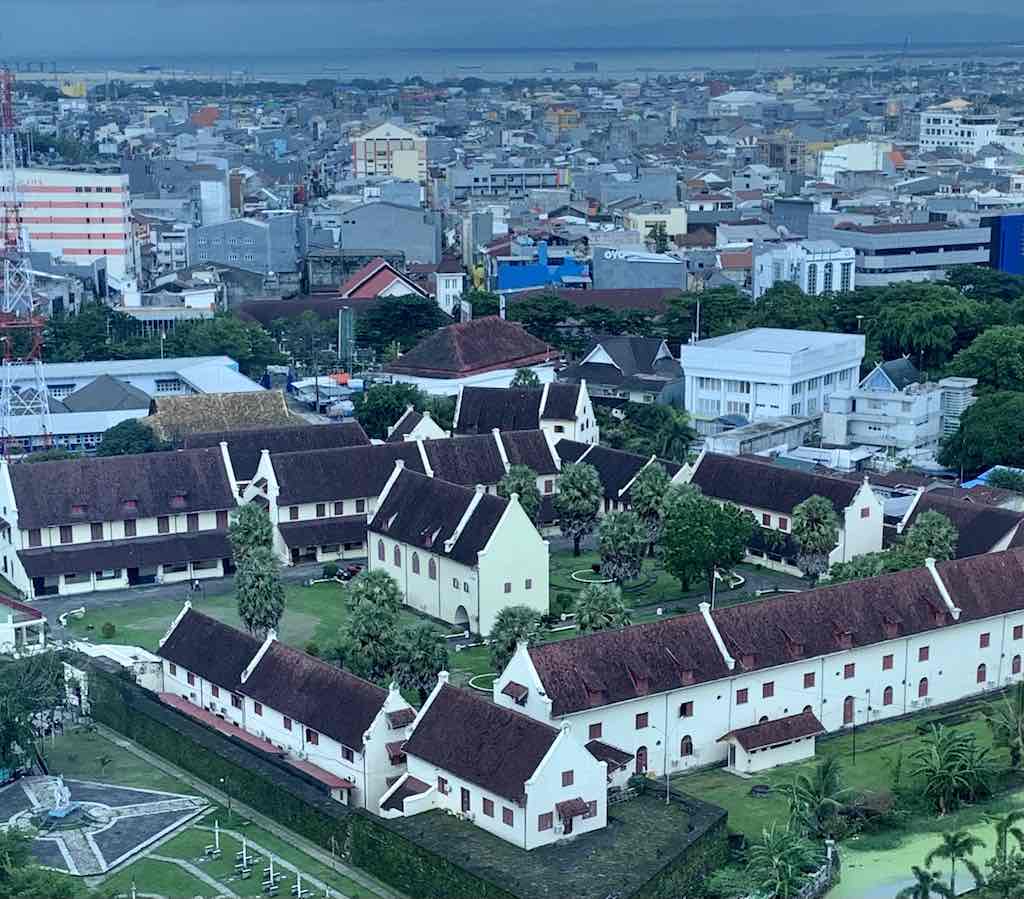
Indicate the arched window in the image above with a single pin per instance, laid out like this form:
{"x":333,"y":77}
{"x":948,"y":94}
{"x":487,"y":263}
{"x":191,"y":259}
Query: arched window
{"x":686,"y":746}
{"x":380,"y":550}
{"x":982,"y":672}
{"x":415,"y":563}
{"x":887,"y":696}
{"x":848,"y":710}
{"x":1015,"y":666}
{"x":398,"y":557}
{"x":762,"y":719}
{"x":922,"y":688}
{"x":432,"y":569}
{"x":641,"y":760}
{"x":807,"y":709}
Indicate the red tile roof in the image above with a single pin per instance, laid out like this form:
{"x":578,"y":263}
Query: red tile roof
{"x":774,"y":733}
{"x":373,"y":279}
{"x":21,"y":608}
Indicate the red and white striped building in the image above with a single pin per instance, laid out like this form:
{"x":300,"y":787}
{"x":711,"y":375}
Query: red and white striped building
{"x":77,"y":216}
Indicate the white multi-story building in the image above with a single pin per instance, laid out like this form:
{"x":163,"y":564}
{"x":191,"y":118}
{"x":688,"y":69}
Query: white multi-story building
{"x":671,"y":693}
{"x":861,"y":156}
{"x":390,"y":151}
{"x":767,"y":373}
{"x":77,"y":217}
{"x":815,"y":266}
{"x":339,"y":729}
{"x":950,"y":127}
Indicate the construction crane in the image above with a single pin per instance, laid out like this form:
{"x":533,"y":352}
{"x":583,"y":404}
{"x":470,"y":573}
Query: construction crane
{"x":23,"y":390}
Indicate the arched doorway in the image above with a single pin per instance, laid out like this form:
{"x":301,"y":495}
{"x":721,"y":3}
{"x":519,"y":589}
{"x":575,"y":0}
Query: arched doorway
{"x":641,"y":760}
{"x":848,"y":710}
{"x":462,"y":618}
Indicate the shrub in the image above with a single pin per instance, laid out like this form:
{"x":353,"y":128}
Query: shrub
{"x":108,"y":630}
{"x":313,"y":649}
{"x":330,"y":570}
{"x":638,"y":782}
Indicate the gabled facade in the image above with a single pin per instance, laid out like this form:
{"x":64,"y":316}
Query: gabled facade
{"x":379,"y":279}
{"x":562,"y":410}
{"x":79,"y":525}
{"x":633,"y":369}
{"x":848,"y":654}
{"x":521,"y":780}
{"x":459,"y":554}
{"x":336,"y":728}
{"x":617,"y":470}
{"x":771,"y":492}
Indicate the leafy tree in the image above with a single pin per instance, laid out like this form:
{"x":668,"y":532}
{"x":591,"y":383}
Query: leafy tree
{"x":1005,"y":719}
{"x":247,"y":342}
{"x":622,"y":544}
{"x":259,"y":589}
{"x":50,"y":455}
{"x":781,"y":862}
{"x":723,"y":310}
{"x":648,"y":429}
{"x":991,"y":433}
{"x":378,"y":589}
{"x":306,"y":338}
{"x":403,"y":320}
{"x":816,"y":532}
{"x":657,"y":234}
{"x":957,"y":847}
{"x":129,"y":438}
{"x":522,"y":480}
{"x":512,"y":624}
{"x":600,"y":607}
{"x":1005,"y":878}
{"x":250,"y":529}
{"x":1006,"y":827}
{"x":976,"y":280}
{"x":931,"y":536}
{"x":647,"y":499}
{"x":702,"y":535}
{"x":544,"y":316}
{"x":22,"y":876}
{"x":368,"y":640}
{"x":785,"y":305}
{"x":31,"y":695}
{"x":927,"y":884}
{"x":951,"y":767}
{"x":483,"y":302}
{"x":382,"y":405}
{"x":995,"y":357}
{"x":578,"y":502}
{"x":1006,"y":479}
{"x":525,"y":377}
{"x":420,"y":653}
{"x":816,"y":800}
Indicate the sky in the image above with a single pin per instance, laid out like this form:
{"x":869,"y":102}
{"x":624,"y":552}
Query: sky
{"x":92,"y":29}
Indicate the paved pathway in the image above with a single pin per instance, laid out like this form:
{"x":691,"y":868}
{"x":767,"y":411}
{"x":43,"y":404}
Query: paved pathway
{"x":309,"y":848}
{"x":196,"y":872}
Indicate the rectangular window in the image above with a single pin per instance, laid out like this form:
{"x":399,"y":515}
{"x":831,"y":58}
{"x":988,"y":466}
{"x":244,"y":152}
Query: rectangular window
{"x":1018,"y":629}
{"x":887,"y":663}
{"x":257,"y":708}
{"x":922,"y":654}
{"x":766,"y":519}
{"x":236,"y":701}
{"x":741,"y":696}
{"x":641,"y":721}
{"x":35,"y":537}
{"x":594,"y":731}
{"x":222,"y":520}
{"x":321,"y":510}
{"x":464,"y":799}
{"x":567,"y":778}
{"x":96,"y":530}
{"x":163,"y":525}
{"x":507,"y":816}
{"x":528,"y":584}
{"x":339,"y":508}
{"x":865,"y":512}
{"x":768,"y":689}
{"x":442,"y":786}
{"x":591,"y":811}
{"x":65,"y":533}
{"x":489,"y":808}
{"x":312,"y":737}
{"x":129,"y":527}
{"x":192,"y":522}
{"x":191,"y":678}
{"x":545,"y":821}
{"x":508,"y":586}
{"x":809,"y":679}
{"x":347,"y":754}
{"x":783,"y":523}
{"x":173,"y":669}
{"x":983,"y":640}
{"x":549,"y":486}
{"x":849,"y":669}
{"x":287,"y":722}
{"x":686,"y":709}
{"x":360,"y":506}
{"x":215,"y":690}
{"x":293,"y":513}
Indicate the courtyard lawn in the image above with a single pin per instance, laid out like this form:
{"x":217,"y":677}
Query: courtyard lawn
{"x":155,"y":877}
{"x":877,"y":748}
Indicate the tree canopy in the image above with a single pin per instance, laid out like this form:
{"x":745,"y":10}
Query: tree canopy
{"x":816,"y":532}
{"x":512,"y":624}
{"x":991,"y":433}
{"x":622,"y":544}
{"x":250,"y":529}
{"x":402,"y":320}
{"x":522,"y":480}
{"x":600,"y":607}
{"x":260,"y":592}
{"x":31,"y":694}
{"x":578,"y":502}
{"x":995,"y":357}
{"x":129,"y":438}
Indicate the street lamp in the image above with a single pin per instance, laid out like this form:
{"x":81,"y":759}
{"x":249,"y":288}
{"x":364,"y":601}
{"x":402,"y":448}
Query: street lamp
{"x":664,"y":738}
{"x":227,"y":792}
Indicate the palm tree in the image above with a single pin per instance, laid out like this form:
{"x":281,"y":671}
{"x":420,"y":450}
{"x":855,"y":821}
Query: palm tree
{"x":816,"y":532}
{"x":952,"y":767}
{"x":928,"y":884}
{"x":1006,"y":827}
{"x":815,"y":800}
{"x":957,"y":847}
{"x":781,"y":862}
{"x":600,"y":607}
{"x":1006,"y":720}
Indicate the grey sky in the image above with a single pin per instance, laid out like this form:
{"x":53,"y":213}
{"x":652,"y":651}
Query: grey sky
{"x":109,"y":28}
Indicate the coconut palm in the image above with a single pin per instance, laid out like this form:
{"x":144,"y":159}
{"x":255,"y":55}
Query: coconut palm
{"x":599,"y":607}
{"x":815,"y":800}
{"x":1006,"y":827}
{"x":1006,"y":720}
{"x":928,"y":884}
{"x":781,"y":861}
{"x":952,"y":768}
{"x":957,"y":847}
{"x":816,"y":532}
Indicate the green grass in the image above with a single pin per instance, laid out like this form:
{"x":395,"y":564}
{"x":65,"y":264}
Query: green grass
{"x":877,"y":748}
{"x":151,"y":876}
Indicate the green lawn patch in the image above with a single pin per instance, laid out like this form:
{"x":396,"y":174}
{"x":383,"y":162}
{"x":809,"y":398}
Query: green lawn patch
{"x":152,"y":876}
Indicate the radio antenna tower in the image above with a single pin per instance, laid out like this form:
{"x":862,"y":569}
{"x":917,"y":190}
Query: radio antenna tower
{"x":23,"y":390}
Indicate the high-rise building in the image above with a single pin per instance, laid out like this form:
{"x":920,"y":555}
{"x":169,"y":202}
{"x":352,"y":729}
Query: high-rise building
{"x":815,"y":266}
{"x":955,"y":127}
{"x":390,"y":151}
{"x":77,"y":217}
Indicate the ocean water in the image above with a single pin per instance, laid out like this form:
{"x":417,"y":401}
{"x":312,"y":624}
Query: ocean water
{"x":505,"y":64}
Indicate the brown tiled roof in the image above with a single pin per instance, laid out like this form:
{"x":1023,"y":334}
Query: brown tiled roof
{"x":615,"y":468}
{"x":396,"y":751}
{"x":644,"y":299}
{"x":530,"y":448}
{"x":613,"y":666}
{"x":605,"y":752}
{"x":765,"y":485}
{"x":244,"y":446}
{"x":467,"y":460}
{"x":424,"y":512}
{"x":474,"y":739}
{"x":411,"y":786}
{"x":480,"y":345}
{"x":400,"y":718}
{"x":561,"y":401}
{"x":324,"y":531}
{"x":980,"y":527}
{"x":772,"y":733}
{"x":406,"y":424}
{"x":175,"y":417}
{"x":216,"y":652}
{"x":319,"y":695}
{"x":48,"y":492}
{"x":571,"y":808}
{"x":516,"y":691}
{"x":481,"y":409}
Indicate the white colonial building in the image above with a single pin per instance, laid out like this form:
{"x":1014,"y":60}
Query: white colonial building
{"x":677,"y":694}
{"x":338,"y":729}
{"x":85,"y":524}
{"x":815,"y":266}
{"x":767,"y":373}
{"x":459,"y":554}
{"x":563,"y":411}
{"x":519,"y":779}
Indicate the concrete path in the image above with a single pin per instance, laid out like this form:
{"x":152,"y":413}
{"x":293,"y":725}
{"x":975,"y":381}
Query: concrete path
{"x":196,"y":872}
{"x":299,"y":842}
